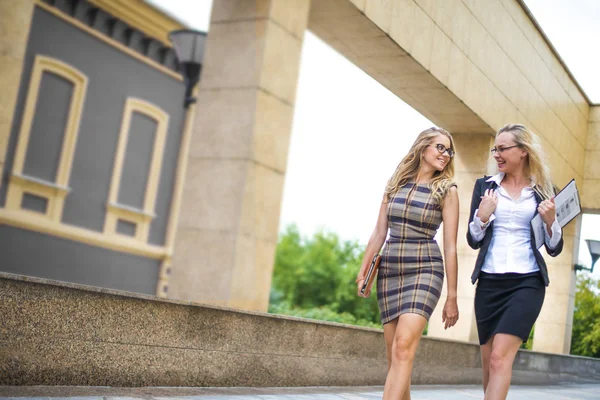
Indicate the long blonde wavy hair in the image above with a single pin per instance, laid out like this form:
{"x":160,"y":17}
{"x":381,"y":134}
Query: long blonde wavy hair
{"x":408,"y":168}
{"x":536,"y":166}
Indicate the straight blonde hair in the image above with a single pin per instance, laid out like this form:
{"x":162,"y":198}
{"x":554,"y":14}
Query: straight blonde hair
{"x":536,"y":167}
{"x":410,"y":164}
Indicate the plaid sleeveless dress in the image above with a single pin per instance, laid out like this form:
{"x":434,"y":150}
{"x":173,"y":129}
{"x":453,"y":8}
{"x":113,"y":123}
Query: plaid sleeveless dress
{"x":411,"y":273}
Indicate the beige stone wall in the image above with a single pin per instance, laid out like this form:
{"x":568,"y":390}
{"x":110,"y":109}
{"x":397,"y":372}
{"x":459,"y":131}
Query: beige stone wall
{"x":346,"y":28}
{"x":457,"y":59}
{"x":56,"y":333}
{"x":555,"y":322}
{"x":471,"y":163}
{"x":229,"y":215}
{"x":493,"y":58}
{"x":469,"y":67}
{"x":554,"y":325}
{"x":591,"y":179}
{"x":15,"y":20}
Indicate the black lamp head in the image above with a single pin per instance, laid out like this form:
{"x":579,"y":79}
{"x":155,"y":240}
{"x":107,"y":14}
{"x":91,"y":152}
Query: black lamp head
{"x":189,"y":48}
{"x":594,"y":248}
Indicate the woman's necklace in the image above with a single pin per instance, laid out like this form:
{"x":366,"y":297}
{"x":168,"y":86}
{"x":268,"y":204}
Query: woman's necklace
{"x":514,"y":194}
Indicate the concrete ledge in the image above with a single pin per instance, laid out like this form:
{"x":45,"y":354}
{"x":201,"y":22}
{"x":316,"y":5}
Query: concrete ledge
{"x":55,"y":333}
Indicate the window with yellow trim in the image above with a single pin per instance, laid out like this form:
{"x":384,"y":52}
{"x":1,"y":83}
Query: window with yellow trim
{"x":136,"y":170}
{"x":46,"y":143}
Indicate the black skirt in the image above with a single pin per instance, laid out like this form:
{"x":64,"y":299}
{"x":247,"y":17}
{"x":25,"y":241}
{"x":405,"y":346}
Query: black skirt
{"x":508,"y":303}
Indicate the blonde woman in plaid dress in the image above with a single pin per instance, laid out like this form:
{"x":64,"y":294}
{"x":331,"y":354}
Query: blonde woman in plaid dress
{"x":419,"y":196}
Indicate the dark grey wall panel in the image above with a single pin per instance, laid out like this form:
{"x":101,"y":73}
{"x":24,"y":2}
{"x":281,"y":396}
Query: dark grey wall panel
{"x":35,"y":254}
{"x":48,"y":127}
{"x":34,"y":203}
{"x":158,"y":226}
{"x":113,"y":76}
{"x":126,"y":227}
{"x":138,"y":157}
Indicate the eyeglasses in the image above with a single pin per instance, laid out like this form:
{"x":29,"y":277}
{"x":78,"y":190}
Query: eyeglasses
{"x":443,"y":149}
{"x":501,"y":149}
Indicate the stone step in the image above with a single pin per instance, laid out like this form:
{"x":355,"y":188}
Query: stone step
{"x":423,"y":392}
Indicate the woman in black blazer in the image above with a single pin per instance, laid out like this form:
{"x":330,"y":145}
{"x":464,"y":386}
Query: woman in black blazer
{"x":511,"y":273}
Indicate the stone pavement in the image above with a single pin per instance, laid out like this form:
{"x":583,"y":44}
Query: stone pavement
{"x":426,"y":392}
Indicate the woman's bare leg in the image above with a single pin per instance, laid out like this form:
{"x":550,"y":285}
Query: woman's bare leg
{"x":404,"y":346}
{"x":504,"y":350}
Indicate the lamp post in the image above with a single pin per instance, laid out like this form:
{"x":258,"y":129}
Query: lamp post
{"x":594,"y":248}
{"x":189,"y":48}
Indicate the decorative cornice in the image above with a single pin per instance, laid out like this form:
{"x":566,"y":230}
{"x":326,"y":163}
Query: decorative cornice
{"x":142,"y":16}
{"x":131,"y":25}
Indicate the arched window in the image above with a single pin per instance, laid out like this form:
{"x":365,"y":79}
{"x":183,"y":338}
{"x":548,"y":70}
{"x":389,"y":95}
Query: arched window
{"x":136,"y":170}
{"x":39,"y":181}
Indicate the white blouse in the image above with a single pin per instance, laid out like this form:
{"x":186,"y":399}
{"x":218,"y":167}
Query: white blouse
{"x":510,"y":249}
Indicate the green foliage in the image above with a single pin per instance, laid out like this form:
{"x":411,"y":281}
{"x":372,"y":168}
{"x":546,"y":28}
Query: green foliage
{"x":314,"y":278}
{"x":323,"y":314}
{"x":529,"y":344}
{"x":585,"y":340}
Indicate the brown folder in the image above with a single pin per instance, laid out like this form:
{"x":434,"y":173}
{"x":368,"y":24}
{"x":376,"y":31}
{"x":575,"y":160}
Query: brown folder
{"x":371,"y":274}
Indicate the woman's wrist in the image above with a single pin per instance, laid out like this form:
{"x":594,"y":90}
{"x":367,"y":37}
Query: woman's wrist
{"x":483,"y":218}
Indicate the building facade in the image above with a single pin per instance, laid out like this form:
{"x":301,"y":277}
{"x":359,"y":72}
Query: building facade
{"x":92,"y":154}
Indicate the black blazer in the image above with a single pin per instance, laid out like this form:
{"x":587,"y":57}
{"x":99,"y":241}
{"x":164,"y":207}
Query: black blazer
{"x":480,"y":187}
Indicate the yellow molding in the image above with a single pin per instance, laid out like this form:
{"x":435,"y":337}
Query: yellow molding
{"x":130,"y":212}
{"x":79,"y":80}
{"x":31,"y":221}
{"x":142,"y":16}
{"x":141,"y":218}
{"x":162,"y":284}
{"x":182,"y":163}
{"x":157,"y":151}
{"x":19,"y":184}
{"x":109,"y":41}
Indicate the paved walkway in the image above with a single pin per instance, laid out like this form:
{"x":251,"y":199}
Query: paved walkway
{"x":575,"y":392}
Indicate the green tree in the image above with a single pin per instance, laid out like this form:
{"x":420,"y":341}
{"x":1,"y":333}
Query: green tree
{"x":585,"y":340}
{"x":314,"y":278}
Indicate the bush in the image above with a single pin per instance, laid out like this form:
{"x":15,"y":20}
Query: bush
{"x":323,"y":313}
{"x":585,"y":339}
{"x":314,"y":278}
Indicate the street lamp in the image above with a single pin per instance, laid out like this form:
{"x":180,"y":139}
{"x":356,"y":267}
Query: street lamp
{"x":594,"y":248}
{"x":189,"y":48}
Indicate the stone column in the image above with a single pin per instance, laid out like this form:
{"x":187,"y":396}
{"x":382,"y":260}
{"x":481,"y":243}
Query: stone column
{"x":472,"y":162}
{"x":15,"y":21}
{"x":590,"y":189}
{"x":555,"y":322}
{"x":229,"y":218}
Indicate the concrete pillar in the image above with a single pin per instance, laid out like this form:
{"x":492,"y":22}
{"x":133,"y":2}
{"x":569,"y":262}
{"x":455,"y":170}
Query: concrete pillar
{"x":590,"y":190}
{"x":471,"y":163}
{"x":555,"y":323}
{"x":229,"y":218}
{"x":15,"y":21}
{"x":553,"y":327}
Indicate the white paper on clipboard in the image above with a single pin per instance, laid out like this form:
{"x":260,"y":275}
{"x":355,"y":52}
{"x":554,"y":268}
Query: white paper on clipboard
{"x":567,"y":206}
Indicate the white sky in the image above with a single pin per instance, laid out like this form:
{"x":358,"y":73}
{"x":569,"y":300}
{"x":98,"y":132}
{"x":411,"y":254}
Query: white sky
{"x":349,"y":132}
{"x":573,"y":28}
